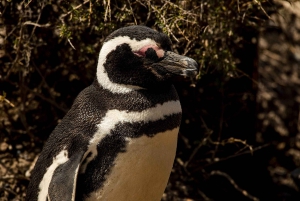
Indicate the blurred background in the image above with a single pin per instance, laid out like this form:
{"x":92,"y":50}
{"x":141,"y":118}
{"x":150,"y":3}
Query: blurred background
{"x":240,"y":132}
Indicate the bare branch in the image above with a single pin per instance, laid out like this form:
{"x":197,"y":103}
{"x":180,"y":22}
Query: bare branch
{"x":75,"y":8}
{"x":8,"y":190}
{"x":37,"y":25}
{"x":107,"y":10}
{"x":165,"y":22}
{"x":2,"y":98}
{"x":262,"y":8}
{"x":244,"y":192}
{"x":132,"y":11}
{"x":71,"y":44}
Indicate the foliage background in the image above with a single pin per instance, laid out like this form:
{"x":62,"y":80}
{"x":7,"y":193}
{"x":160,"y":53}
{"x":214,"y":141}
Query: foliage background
{"x":48,"y":54}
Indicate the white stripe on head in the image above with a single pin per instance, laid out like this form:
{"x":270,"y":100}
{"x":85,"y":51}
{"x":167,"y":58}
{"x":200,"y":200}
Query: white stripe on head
{"x":113,"y":117}
{"x":59,"y":159}
{"x":105,"y":50}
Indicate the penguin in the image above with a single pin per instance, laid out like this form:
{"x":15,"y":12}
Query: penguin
{"x":118,"y":141}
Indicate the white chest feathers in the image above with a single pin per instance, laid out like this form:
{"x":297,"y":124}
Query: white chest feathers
{"x":142,"y":172}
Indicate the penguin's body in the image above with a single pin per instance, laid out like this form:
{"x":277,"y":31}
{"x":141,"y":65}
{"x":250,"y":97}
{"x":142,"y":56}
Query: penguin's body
{"x":118,"y":141}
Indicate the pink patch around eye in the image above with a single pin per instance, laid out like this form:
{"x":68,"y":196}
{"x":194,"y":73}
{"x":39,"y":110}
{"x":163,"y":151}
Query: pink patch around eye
{"x":142,"y":51}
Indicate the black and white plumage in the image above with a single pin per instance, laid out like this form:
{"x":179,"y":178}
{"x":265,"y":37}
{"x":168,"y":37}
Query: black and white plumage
{"x":118,"y":141}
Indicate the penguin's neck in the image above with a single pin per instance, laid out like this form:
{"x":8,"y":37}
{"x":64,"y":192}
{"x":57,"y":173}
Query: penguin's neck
{"x":106,"y":83}
{"x":157,"y":95}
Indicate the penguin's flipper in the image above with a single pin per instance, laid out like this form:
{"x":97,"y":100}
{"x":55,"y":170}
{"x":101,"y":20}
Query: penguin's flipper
{"x":63,"y":184}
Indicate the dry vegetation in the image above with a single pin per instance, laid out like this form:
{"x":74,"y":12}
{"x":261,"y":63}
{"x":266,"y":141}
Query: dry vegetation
{"x":48,"y":54}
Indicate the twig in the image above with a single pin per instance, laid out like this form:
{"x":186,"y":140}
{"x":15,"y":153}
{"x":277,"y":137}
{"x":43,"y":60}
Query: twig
{"x":28,"y":172}
{"x":195,"y":151}
{"x":243,"y":18}
{"x":53,"y":103}
{"x":145,"y":5}
{"x":233,"y":140}
{"x":238,"y":154}
{"x":246,"y":75}
{"x":90,"y":13}
{"x":11,"y":32}
{"x":28,"y":3}
{"x":8,"y":190}
{"x":75,"y":8}
{"x":71,"y":44}
{"x":298,"y":125}
{"x":259,"y":3}
{"x":208,"y":133}
{"x":204,"y":196}
{"x":220,"y":127}
{"x":38,"y":19}
{"x":46,"y":99}
{"x":165,"y":22}
{"x":149,"y":12}
{"x":132,"y":12}
{"x":7,"y":101}
{"x":22,"y":108}
{"x":16,"y":60}
{"x":2,"y":98}
{"x":189,"y":45}
{"x":3,"y":9}
{"x":68,"y":13}
{"x":36,"y":25}
{"x":244,"y":192}
{"x":180,"y":8}
{"x":182,"y":32}
{"x":16,"y":177}
{"x":107,"y":10}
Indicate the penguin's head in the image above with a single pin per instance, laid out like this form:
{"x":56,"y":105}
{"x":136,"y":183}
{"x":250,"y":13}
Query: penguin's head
{"x":137,"y":57}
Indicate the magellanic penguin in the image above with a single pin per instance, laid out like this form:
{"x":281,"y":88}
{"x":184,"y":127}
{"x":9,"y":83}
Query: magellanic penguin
{"x":118,"y":140}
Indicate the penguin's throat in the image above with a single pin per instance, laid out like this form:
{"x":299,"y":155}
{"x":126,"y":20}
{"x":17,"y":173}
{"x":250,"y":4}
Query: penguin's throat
{"x":106,"y":83}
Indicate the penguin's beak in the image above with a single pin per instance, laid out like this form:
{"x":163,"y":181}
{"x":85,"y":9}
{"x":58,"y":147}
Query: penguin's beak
{"x":179,"y":65}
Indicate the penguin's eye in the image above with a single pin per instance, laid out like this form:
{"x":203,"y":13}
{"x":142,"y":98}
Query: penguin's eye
{"x":142,"y":52}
